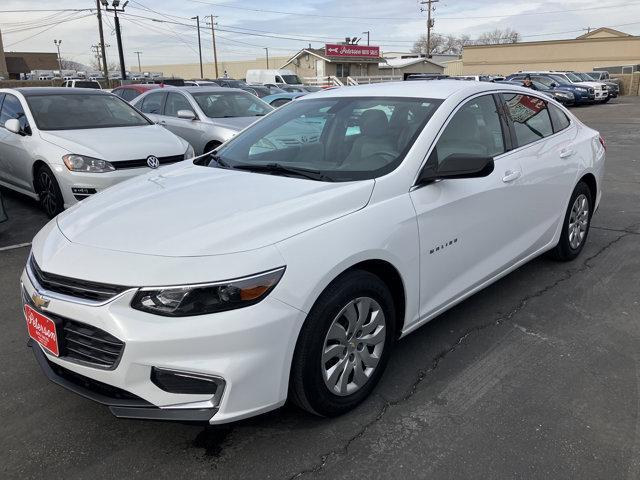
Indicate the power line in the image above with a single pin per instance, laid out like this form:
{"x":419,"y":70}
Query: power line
{"x":346,"y":17}
{"x":46,"y":29}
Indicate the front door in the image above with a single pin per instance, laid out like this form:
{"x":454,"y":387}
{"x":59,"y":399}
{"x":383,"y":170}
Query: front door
{"x":185,"y":128}
{"x":466,"y":226}
{"x":15,"y":149}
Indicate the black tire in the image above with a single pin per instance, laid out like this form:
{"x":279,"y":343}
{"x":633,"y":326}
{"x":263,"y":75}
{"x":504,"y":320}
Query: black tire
{"x":606,"y":100}
{"x":48,"y":190}
{"x":307,"y":387}
{"x":208,"y":148}
{"x":564,"y":251}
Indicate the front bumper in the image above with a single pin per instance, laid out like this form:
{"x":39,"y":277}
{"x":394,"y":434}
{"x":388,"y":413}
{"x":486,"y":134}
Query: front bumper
{"x":76,"y":186}
{"x":249,"y":348}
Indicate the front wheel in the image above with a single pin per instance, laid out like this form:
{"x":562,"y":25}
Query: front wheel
{"x":344,"y":345}
{"x":575,"y":228}
{"x":48,"y":191}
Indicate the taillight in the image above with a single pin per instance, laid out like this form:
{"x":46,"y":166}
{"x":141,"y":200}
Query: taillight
{"x":602,"y":142}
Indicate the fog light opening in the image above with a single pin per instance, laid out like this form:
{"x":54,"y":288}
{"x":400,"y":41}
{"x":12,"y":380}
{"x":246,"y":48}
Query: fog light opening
{"x":188,"y":383}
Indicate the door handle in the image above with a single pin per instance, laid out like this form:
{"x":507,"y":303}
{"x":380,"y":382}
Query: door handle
{"x":566,"y":153}
{"x":511,"y":175}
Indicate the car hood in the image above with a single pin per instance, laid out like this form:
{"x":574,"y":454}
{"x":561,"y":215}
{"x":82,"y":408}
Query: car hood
{"x":185,"y":211}
{"x":234,"y":123}
{"x":596,"y":85}
{"x":114,"y":144}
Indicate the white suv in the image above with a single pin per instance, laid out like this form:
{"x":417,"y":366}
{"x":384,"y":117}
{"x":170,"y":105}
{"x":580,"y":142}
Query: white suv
{"x":82,"y":83}
{"x":61,"y":145}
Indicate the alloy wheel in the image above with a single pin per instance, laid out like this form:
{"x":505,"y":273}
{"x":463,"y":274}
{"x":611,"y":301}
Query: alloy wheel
{"x":353,"y":346}
{"x":578,"y":221}
{"x":47,"y":193}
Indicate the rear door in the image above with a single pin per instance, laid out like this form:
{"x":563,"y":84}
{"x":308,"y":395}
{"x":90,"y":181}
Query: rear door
{"x":468,"y":227}
{"x":546,"y":155}
{"x":152,"y":105}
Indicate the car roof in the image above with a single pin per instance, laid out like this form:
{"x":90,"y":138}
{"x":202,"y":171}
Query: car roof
{"x":31,"y":91}
{"x":439,"y":89}
{"x":208,"y":88}
{"x":141,"y":87}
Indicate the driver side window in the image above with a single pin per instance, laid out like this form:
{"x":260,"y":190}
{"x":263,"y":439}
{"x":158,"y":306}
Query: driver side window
{"x":475,"y":129}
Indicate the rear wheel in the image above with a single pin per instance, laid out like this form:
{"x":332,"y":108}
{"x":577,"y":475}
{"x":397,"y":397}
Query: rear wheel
{"x":606,"y":100}
{"x":209,"y":147}
{"x":344,"y":346}
{"x":575,"y":228}
{"x":48,"y":191}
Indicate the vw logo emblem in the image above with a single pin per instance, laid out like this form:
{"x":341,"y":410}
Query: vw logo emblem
{"x":153,"y":161}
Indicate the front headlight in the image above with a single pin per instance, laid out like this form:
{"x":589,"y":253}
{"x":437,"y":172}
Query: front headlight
{"x":82,"y":163}
{"x":190,"y":153}
{"x":201,"y":299}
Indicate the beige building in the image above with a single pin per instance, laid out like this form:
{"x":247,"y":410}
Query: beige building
{"x":603,"y":47}
{"x":3,"y":63}
{"x":235,"y":69}
{"x":409,"y":64}
{"x":313,"y":62}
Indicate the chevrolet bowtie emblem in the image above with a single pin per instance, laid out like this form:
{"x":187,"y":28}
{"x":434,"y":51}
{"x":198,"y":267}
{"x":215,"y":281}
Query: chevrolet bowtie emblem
{"x":39,"y":301}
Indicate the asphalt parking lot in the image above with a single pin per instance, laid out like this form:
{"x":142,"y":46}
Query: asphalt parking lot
{"x":538,"y":376}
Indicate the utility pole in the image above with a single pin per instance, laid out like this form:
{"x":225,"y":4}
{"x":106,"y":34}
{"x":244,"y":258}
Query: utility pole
{"x":57,"y":43}
{"x":266,"y":49}
{"x":102,"y":45}
{"x":197,"y":19}
{"x":213,"y":37}
{"x":96,"y":49}
{"x":430,"y":21}
{"x":139,"y":67}
{"x":368,"y":33}
{"x":115,"y":4}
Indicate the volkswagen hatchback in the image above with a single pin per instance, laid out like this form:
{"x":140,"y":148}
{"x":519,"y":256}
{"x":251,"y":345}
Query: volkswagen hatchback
{"x":61,"y":145}
{"x":288,"y":269}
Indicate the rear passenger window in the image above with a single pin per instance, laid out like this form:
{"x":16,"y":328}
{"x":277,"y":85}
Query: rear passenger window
{"x":152,"y":103}
{"x":530,"y":117}
{"x":475,"y":129}
{"x":129,"y":94}
{"x":558,"y":118}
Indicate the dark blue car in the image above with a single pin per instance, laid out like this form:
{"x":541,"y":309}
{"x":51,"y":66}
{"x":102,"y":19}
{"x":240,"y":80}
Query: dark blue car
{"x":582,"y":95}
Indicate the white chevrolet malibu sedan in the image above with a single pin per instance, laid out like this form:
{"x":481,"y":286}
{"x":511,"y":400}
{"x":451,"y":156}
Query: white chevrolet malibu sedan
{"x":288,"y":270}
{"x":61,"y":145}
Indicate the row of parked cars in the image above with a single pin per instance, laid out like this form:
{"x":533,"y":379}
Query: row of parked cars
{"x":566,"y":87}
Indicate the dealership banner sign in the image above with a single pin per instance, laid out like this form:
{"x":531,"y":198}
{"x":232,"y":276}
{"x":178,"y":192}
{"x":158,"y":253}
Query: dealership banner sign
{"x":364,"y":51}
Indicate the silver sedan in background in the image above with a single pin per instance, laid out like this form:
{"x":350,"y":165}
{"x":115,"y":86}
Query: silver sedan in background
{"x":204,"y":116}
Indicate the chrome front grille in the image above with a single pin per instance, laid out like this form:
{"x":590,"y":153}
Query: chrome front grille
{"x":72,"y":287}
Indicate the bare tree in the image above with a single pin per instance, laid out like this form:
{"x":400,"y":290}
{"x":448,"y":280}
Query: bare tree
{"x":71,"y":65}
{"x":97,"y":65}
{"x":441,"y":44}
{"x":452,"y":45}
{"x":497,"y":37}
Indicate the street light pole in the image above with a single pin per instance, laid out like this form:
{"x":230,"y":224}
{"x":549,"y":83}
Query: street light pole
{"x":115,"y":4}
{"x":57,"y":43}
{"x":197,"y":19}
{"x":139,"y":67}
{"x":368,"y":33}
{"x":266,"y":49}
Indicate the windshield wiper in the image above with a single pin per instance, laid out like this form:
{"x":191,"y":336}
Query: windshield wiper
{"x":283,"y":169}
{"x":218,"y":159}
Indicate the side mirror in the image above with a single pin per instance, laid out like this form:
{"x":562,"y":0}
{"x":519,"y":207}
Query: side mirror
{"x":186,"y":114}
{"x":458,"y":165}
{"x":554,"y":84}
{"x":13,"y":126}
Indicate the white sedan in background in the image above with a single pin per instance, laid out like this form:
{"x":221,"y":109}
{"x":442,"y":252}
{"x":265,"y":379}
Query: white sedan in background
{"x":289,"y":270}
{"x":61,"y":145}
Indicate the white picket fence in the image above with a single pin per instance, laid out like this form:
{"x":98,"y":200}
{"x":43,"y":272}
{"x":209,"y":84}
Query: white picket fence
{"x":331,"y":81}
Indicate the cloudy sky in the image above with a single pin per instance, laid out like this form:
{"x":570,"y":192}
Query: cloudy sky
{"x":245,"y":27}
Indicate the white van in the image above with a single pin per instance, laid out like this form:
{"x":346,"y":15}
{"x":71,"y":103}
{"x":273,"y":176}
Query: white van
{"x":262,"y":77}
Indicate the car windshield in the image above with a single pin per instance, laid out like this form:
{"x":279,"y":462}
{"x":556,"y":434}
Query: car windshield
{"x":82,"y":111}
{"x":231,"y":104}
{"x":573,"y":77}
{"x":338,"y":139}
{"x":559,"y":79}
{"x":585,"y":77}
{"x":236,"y":83}
{"x":594,"y":75}
{"x":291,"y":79}
{"x":545,"y":81}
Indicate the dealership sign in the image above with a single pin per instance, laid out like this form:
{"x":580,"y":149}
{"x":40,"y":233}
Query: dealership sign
{"x":363,"y":51}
